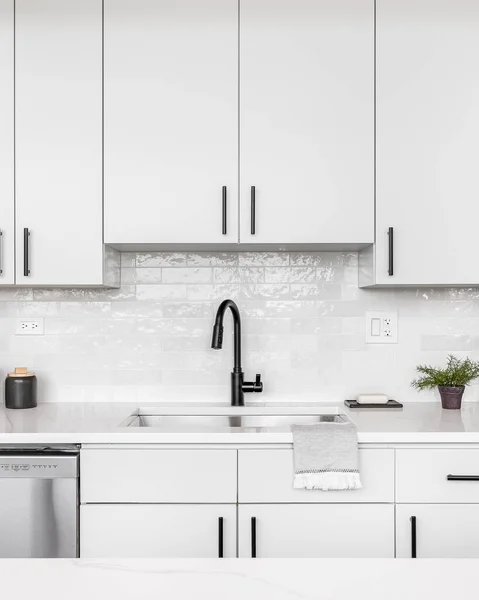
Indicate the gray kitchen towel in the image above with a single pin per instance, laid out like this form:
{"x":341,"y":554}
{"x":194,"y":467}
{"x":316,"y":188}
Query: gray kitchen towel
{"x":326,"y":456}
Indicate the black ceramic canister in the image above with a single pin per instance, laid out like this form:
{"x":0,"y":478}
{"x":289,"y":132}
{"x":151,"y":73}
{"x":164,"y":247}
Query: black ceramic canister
{"x":20,"y":389}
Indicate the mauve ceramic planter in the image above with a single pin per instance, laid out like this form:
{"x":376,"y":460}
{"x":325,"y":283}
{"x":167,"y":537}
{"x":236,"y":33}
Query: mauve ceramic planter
{"x":451,"y":397}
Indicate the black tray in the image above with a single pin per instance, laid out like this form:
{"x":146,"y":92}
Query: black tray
{"x":390,"y":404}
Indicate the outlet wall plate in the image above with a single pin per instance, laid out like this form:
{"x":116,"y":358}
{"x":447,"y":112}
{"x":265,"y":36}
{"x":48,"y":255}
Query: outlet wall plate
{"x":29,"y":326}
{"x":381,"y":327}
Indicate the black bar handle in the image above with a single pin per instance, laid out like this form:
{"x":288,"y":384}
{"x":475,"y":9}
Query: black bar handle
{"x":1,"y":251}
{"x":220,"y":537}
{"x":26,"y":268}
{"x":391,"y":251}
{"x":413,"y":538}
{"x":253,"y":210}
{"x":224,"y":210}
{"x":463,"y":477}
{"x":253,"y":537}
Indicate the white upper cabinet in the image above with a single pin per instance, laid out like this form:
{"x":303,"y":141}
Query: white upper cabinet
{"x":307,"y":121}
{"x":427,"y":144}
{"x":171,"y":121}
{"x":58,"y":137}
{"x":7,"y":233}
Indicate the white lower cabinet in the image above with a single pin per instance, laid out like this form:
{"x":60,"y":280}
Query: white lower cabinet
{"x":316,"y":530}
{"x":441,"y":530}
{"x":209,"y":530}
{"x":135,"y":505}
{"x":158,"y":530}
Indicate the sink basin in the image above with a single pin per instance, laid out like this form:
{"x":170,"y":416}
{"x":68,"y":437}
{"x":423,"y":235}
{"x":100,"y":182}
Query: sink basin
{"x":178,"y":423}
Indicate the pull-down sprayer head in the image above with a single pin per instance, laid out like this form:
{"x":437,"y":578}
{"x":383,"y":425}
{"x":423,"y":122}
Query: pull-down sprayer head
{"x":217,"y":341}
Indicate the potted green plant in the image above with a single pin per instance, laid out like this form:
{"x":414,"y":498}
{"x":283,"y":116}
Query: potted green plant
{"x":450,"y":381}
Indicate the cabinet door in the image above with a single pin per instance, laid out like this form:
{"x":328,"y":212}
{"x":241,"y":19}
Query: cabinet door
{"x":316,"y":531}
{"x":442,"y":530}
{"x":171,"y":121}
{"x":58,"y":119}
{"x":427,"y":131}
{"x":307,"y":120}
{"x":7,"y":232}
{"x":158,"y":530}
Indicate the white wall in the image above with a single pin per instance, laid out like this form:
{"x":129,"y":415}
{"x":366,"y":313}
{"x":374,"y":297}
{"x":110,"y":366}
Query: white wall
{"x":303,"y":325}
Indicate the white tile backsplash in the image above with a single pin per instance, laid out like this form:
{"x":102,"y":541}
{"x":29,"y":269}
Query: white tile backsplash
{"x":303,"y":329}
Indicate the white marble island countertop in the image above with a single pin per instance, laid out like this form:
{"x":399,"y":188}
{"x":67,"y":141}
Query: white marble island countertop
{"x":278,"y":579}
{"x":104,"y":423}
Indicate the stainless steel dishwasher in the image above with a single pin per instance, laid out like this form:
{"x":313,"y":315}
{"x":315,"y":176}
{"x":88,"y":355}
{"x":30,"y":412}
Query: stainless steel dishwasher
{"x":39,"y":502}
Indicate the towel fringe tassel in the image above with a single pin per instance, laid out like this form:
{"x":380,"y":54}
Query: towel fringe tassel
{"x":327,"y":481}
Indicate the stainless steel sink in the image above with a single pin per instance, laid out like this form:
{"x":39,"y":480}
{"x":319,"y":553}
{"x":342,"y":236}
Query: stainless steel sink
{"x":178,"y":423}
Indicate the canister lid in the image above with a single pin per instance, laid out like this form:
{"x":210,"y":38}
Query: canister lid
{"x":21,"y":372}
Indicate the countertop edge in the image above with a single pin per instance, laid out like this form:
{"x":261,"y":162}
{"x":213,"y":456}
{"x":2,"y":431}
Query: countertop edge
{"x":229,"y":439}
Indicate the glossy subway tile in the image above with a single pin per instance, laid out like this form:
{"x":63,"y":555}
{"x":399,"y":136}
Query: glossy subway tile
{"x":303,"y":320}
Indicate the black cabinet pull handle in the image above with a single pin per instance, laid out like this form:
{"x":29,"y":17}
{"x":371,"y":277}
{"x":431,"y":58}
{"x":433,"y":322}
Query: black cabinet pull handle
{"x":220,"y":537}
{"x":253,"y":210}
{"x":224,"y":210}
{"x":463,"y":477}
{"x":1,"y":251}
{"x":391,"y":251}
{"x":413,"y":538}
{"x":253,"y":537}
{"x":26,"y":268}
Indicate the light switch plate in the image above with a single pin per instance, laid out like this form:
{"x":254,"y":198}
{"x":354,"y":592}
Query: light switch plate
{"x":29,"y":326}
{"x":381,"y":327}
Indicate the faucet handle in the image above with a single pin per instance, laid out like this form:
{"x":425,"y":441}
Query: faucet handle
{"x":253,"y":386}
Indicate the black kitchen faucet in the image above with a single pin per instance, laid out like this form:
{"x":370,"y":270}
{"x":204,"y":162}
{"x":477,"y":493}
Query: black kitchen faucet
{"x":238,"y":386}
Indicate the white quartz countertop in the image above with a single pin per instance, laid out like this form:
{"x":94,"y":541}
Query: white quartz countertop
{"x":234,"y":579}
{"x":101,"y":423}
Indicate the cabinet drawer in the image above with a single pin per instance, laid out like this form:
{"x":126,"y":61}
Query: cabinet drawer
{"x":267,"y":476}
{"x":421,"y":476}
{"x":123,"y":475}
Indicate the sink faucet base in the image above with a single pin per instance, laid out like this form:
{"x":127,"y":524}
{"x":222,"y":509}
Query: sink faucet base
{"x":237,"y":394}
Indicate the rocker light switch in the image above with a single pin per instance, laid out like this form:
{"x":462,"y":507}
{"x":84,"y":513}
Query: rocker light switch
{"x":375,"y":327}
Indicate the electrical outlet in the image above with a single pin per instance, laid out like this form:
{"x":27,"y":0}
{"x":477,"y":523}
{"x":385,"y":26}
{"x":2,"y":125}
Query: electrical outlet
{"x":381,"y":327}
{"x":29,"y":327}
